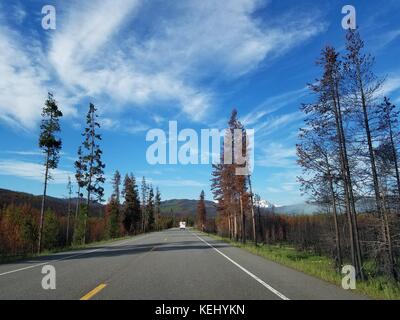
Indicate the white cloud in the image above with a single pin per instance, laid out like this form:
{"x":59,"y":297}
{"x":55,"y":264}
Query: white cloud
{"x":138,"y":53}
{"x":182,"y":45}
{"x":131,"y":127}
{"x":390,"y":86}
{"x":32,"y":171}
{"x":23,"y":81}
{"x":276,"y":123}
{"x":277,"y":155}
{"x":271,"y":105}
{"x":26,"y":153}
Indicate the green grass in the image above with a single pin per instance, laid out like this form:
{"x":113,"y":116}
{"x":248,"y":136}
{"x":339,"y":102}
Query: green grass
{"x":322,"y":267}
{"x":7,"y":259}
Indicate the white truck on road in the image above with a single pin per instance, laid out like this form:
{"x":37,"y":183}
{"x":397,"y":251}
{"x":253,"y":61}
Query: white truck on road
{"x":182,"y":225}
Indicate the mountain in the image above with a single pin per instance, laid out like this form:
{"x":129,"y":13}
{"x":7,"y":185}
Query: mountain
{"x":183,"y":207}
{"x":58,"y":205}
{"x":297,"y":209}
{"x":186,"y":207}
{"x":266,"y":204}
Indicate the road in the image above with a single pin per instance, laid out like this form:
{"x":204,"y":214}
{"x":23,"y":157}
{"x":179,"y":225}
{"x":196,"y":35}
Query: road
{"x":172,"y":264}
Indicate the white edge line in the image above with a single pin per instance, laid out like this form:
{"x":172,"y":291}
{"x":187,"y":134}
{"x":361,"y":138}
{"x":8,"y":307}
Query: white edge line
{"x":64,"y":258}
{"x":266,"y":285}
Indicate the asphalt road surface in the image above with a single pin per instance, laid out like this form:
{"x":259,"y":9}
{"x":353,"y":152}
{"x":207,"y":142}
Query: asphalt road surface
{"x":172,"y":264}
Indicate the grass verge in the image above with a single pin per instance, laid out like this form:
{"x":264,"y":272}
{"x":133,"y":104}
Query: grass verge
{"x":322,"y":267}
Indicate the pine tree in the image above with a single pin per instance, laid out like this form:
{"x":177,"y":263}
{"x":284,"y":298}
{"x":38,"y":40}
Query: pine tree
{"x":93,"y":167}
{"x":51,"y":146}
{"x":157,"y":203}
{"x":144,"y":191}
{"x":69,"y":188}
{"x":131,"y":209}
{"x":201,"y":213}
{"x":113,"y":208}
{"x":150,"y":210}
{"x":51,"y":230}
{"x":388,"y":124}
{"x":80,"y":168}
{"x":363,"y":87}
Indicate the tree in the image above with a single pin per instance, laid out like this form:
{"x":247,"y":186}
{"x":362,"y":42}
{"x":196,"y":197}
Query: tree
{"x":325,"y":119}
{"x":51,"y":146}
{"x":388,"y":122}
{"x":363,"y":88}
{"x":157,"y":203}
{"x":80,"y":168}
{"x":69,"y":188}
{"x":113,"y":208}
{"x":131,"y":209}
{"x":228,"y":187}
{"x":51,"y":230}
{"x":150,"y":210}
{"x":201,"y":213}
{"x":92,"y":165}
{"x":144,"y":191}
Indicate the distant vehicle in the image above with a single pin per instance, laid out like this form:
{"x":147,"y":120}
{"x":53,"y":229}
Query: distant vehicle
{"x":182,"y":225}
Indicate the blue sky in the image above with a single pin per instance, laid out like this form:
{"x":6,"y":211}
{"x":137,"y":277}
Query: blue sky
{"x":144,"y":63}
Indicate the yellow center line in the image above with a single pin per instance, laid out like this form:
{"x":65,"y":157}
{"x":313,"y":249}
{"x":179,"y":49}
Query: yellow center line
{"x":94,"y":292}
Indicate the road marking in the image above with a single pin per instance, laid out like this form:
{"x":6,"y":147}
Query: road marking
{"x":266,"y":285}
{"x":65,"y":258}
{"x":93,"y":292}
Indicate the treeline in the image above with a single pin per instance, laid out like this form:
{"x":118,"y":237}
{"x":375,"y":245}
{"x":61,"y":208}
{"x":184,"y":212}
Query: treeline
{"x":349,"y":154}
{"x":348,"y":150}
{"x":24,"y":229}
{"x":126,"y":213}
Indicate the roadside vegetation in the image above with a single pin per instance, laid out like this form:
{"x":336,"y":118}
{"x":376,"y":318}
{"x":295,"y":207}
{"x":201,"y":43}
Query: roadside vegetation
{"x":320,"y":266}
{"x":348,"y":152}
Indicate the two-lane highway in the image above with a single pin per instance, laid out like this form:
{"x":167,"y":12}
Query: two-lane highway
{"x":172,"y":264}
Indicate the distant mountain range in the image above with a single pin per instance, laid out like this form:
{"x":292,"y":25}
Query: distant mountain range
{"x":180,"y":207}
{"x":59,"y":205}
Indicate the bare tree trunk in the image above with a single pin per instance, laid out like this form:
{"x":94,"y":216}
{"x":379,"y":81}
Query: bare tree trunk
{"x":252,"y":212}
{"x":347,"y":175}
{"x":335,"y":220}
{"x":396,"y":164}
{"x":40,"y":240}
{"x":243,"y":219}
{"x":68,"y":217}
{"x":391,"y":266}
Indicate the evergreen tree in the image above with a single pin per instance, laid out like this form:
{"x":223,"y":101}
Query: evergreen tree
{"x":51,"y":230}
{"x":150,"y":210}
{"x":51,"y":146}
{"x":92,"y":165}
{"x":144,"y":191}
{"x":201,"y":213}
{"x":132,"y":210}
{"x":69,"y":188}
{"x":158,"y":209}
{"x":113,"y":208}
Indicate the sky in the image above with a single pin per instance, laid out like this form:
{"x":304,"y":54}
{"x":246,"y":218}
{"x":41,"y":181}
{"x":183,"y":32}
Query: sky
{"x":145,"y":63}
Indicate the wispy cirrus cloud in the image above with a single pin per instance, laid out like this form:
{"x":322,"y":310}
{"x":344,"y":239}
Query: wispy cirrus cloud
{"x":121,"y":51}
{"x":276,"y":155}
{"x":182,"y":45}
{"x":32,"y":171}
